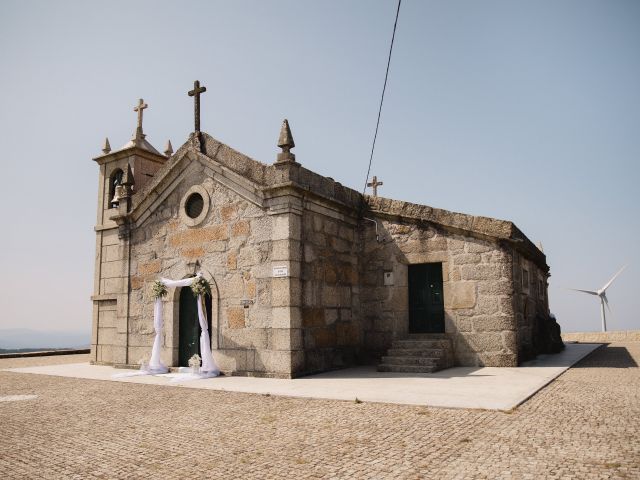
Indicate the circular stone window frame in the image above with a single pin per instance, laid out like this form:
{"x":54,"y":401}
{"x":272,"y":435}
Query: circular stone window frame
{"x":192,"y":222}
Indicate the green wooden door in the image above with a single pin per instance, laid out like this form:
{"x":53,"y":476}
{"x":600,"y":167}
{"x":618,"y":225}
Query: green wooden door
{"x":426,"y":302}
{"x":189,"y":326}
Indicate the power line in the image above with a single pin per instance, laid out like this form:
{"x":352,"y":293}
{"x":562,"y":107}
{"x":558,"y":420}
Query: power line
{"x":384,"y":88}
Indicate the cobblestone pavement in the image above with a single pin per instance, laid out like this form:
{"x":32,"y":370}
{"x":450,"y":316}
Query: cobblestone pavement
{"x":585,"y":424}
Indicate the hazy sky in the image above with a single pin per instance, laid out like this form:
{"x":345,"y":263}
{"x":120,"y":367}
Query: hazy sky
{"x":526,"y":111}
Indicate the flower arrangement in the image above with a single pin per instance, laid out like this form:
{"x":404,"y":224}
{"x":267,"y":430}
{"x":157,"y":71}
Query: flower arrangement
{"x":194,"y":361}
{"x":159,"y":289}
{"x":201,"y":287}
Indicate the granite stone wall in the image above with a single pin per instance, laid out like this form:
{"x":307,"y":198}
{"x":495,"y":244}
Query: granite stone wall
{"x":109,"y":328}
{"x":342,"y":296}
{"x":235,"y":246}
{"x":603,"y":337}
{"x":478,"y":291}
{"x":330,"y":290}
{"x":530,"y":302}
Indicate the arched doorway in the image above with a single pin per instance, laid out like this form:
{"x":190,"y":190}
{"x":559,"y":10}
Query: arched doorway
{"x":189,"y":326}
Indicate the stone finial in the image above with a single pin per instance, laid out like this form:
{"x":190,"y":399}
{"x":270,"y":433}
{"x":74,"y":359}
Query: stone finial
{"x":286,"y":143}
{"x":168,"y":150}
{"x":540,"y":247}
{"x":106,"y":147}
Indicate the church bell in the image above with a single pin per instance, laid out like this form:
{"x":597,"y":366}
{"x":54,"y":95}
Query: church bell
{"x":115,"y":201}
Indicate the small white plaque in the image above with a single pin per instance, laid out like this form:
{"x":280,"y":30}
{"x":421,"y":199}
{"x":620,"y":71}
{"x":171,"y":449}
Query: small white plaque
{"x":388,"y":278}
{"x":281,"y":271}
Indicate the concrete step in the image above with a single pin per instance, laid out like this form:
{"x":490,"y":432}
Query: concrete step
{"x":406,"y":368}
{"x":414,"y":352}
{"x":406,"y":360}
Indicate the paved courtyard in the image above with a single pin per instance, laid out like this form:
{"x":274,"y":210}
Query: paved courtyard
{"x":490,"y":388}
{"x":585,"y":424}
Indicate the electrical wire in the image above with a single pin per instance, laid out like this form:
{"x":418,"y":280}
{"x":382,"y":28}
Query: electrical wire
{"x":384,"y":88}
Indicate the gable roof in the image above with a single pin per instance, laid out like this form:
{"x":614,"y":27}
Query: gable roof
{"x":167,"y":177}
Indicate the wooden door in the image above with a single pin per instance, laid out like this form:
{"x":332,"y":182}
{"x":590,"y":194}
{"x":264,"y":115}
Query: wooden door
{"x":426,"y":302}
{"x":189,"y":326}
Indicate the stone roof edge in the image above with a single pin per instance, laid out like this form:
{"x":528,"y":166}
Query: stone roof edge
{"x":167,"y":175}
{"x":484,"y":226}
{"x":253,"y":170}
{"x":527,"y":247}
{"x":133,"y":150}
{"x":270,"y":176}
{"x":288,"y":187}
{"x":190,"y":148}
{"x":328,"y":188}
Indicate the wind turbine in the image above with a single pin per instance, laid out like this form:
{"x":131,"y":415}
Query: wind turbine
{"x":602,"y":294}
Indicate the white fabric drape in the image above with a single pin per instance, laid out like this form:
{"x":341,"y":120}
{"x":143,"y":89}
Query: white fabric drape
{"x":208,"y":363}
{"x":209,"y":366}
{"x":155,"y":365}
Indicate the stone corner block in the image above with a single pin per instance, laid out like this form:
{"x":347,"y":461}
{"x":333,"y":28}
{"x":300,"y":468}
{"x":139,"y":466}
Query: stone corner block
{"x":460,"y":295}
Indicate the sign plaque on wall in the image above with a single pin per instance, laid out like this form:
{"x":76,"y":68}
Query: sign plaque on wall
{"x":281,"y":271}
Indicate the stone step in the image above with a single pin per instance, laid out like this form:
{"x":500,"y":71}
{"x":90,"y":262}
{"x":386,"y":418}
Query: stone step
{"x":427,"y":336}
{"x":414,"y":352}
{"x":421,"y":344}
{"x":406,"y":368}
{"x":406,"y":360}
{"x":418,"y":353}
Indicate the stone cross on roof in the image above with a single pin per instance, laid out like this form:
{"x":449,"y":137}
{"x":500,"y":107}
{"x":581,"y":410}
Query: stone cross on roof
{"x":197,"y":90}
{"x":139,"y":108}
{"x":375,"y":184}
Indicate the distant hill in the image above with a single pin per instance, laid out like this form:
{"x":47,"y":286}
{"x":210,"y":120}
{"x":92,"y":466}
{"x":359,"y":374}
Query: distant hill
{"x":30,"y":350}
{"x":19,"y":338}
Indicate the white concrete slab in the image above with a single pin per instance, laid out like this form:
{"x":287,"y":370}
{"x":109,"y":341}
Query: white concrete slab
{"x":490,"y":388}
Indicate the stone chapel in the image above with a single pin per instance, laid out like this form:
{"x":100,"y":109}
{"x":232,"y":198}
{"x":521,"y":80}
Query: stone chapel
{"x":307,"y":275}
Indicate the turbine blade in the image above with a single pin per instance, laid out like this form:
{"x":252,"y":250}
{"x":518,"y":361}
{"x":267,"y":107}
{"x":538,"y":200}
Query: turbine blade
{"x":584,"y":291}
{"x":612,"y":279}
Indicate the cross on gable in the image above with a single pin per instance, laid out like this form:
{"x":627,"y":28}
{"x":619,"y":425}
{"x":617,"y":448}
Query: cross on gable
{"x":375,"y":184}
{"x":197,"y":90}
{"x":139,"y":108}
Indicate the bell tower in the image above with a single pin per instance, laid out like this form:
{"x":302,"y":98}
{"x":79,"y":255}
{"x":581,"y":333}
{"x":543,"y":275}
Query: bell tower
{"x":123,"y":173}
{"x":135,"y":163}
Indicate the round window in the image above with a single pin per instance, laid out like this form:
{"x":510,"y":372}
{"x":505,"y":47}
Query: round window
{"x":194,"y":205}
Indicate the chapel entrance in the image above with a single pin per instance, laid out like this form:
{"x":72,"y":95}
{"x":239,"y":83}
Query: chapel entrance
{"x":189,"y":326}
{"x":426,"y":302}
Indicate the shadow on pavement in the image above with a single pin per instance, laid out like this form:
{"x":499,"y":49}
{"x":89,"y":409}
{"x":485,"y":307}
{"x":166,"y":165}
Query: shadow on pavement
{"x":369,"y":371}
{"x":608,"y":357}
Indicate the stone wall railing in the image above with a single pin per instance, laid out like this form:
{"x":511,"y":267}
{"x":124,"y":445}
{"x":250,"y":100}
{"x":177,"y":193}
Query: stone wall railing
{"x":603,"y":337}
